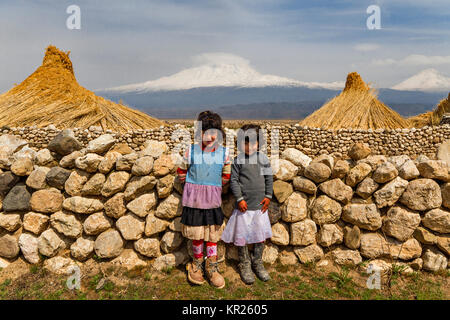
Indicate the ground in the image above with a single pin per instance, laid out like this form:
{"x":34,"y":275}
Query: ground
{"x":103,"y":281}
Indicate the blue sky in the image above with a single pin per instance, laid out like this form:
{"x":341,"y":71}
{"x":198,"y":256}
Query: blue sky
{"x":122,"y":42}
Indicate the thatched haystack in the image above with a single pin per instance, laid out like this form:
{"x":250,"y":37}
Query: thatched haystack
{"x":356,"y":106}
{"x":52,"y":95}
{"x":432,"y":118}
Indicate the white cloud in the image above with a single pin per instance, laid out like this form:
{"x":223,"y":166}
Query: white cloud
{"x":414,"y":60}
{"x":365,"y":47}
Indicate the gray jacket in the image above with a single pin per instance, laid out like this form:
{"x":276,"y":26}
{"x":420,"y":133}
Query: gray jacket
{"x":251,"y":179}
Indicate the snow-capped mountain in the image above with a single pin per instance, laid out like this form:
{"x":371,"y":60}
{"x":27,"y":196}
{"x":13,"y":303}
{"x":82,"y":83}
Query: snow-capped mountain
{"x":219,"y":70}
{"x":426,"y":80}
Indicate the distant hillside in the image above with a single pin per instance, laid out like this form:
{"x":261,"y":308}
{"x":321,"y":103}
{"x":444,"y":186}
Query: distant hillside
{"x":260,"y":103}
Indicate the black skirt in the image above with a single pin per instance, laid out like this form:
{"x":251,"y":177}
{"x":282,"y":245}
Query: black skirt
{"x":202,"y":217}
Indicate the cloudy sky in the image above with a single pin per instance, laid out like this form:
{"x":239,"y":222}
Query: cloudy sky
{"x":122,"y":42}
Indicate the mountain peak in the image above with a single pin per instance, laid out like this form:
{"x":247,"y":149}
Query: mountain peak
{"x":218,"y":70}
{"x":426,"y":80}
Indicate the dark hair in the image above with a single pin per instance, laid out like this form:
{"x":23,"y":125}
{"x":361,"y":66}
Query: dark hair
{"x":248,"y":130}
{"x":209,"y":120}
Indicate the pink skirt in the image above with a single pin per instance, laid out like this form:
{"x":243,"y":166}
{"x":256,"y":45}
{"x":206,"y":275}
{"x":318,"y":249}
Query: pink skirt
{"x":248,"y":227}
{"x":201,"y":196}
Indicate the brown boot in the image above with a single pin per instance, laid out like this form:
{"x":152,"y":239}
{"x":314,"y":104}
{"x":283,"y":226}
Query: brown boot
{"x":195,"y":271}
{"x":212,"y":272}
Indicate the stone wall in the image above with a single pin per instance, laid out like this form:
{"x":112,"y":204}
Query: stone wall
{"x":67,"y":203}
{"x":311,"y":141}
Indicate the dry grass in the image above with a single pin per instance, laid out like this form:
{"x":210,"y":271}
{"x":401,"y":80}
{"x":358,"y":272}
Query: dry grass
{"x":52,"y":95}
{"x":432,"y":118}
{"x":356,"y":106}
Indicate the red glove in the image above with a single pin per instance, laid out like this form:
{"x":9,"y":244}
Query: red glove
{"x":265,"y":203}
{"x":242,"y":206}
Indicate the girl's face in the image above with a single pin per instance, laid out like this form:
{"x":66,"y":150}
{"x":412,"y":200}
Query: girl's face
{"x":209,"y":137}
{"x":250,"y":147}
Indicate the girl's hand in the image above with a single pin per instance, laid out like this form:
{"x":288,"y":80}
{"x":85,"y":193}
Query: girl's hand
{"x":242,"y":205}
{"x":265,"y":203}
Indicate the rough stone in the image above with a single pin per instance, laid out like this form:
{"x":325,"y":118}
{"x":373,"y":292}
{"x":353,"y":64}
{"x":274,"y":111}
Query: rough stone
{"x":346,"y":257}
{"x":373,"y":245}
{"x":130,"y":226}
{"x":308,"y":254}
{"x":109,"y":244}
{"x":82,"y":205}
{"x":88,"y":162}
{"x":115,"y":182}
{"x":139,"y":185}
{"x":142,"y":166}
{"x":64,"y":143}
{"x":74,"y":184}
{"x":171,"y":241}
{"x":94,"y":186}
{"x":408,"y":171}
{"x":295,"y":207}
{"x":101,"y":144}
{"x":47,"y":200}
{"x":400,"y":222}
{"x":170,"y":207}
{"x":352,"y":237}
{"x":434,"y":260}
{"x":28,"y":245}
{"x":422,"y":195}
{"x":437,"y":220}
{"x":60,"y":265}
{"x":389,"y":194}
{"x":164,"y":186}
{"x":9,"y":248}
{"x":337,"y":190}
{"x":303,"y":233}
{"x":366,"y":188}
{"x":357,"y":174}
{"x":424,"y":236}
{"x":384,"y":172}
{"x":143,"y":205}
{"x":97,"y":223}
{"x":330,"y":234}
{"x":10,"y":222}
{"x":325,"y":210}
{"x":365,"y":216}
{"x":66,"y":224}
{"x":284,"y":170}
{"x":82,"y":248}
{"x":148,"y":247}
{"x":280,"y":234}
{"x":282,"y":190}
{"x":35,"y":222}
{"x":22,"y":167}
{"x":57,"y":176}
{"x":17,"y":199}
{"x":304,"y":185}
{"x":49,"y":243}
{"x":115,"y":206}
{"x":359,"y":151}
{"x":434,"y":169}
{"x":36,"y":179}
{"x":317,"y":172}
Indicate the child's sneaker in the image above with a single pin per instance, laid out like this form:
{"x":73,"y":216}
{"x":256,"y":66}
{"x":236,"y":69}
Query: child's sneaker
{"x":212,"y":272}
{"x":195,"y":271}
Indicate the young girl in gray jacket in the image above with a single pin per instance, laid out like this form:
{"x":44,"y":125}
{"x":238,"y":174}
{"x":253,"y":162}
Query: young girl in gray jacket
{"x":251,"y":183}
